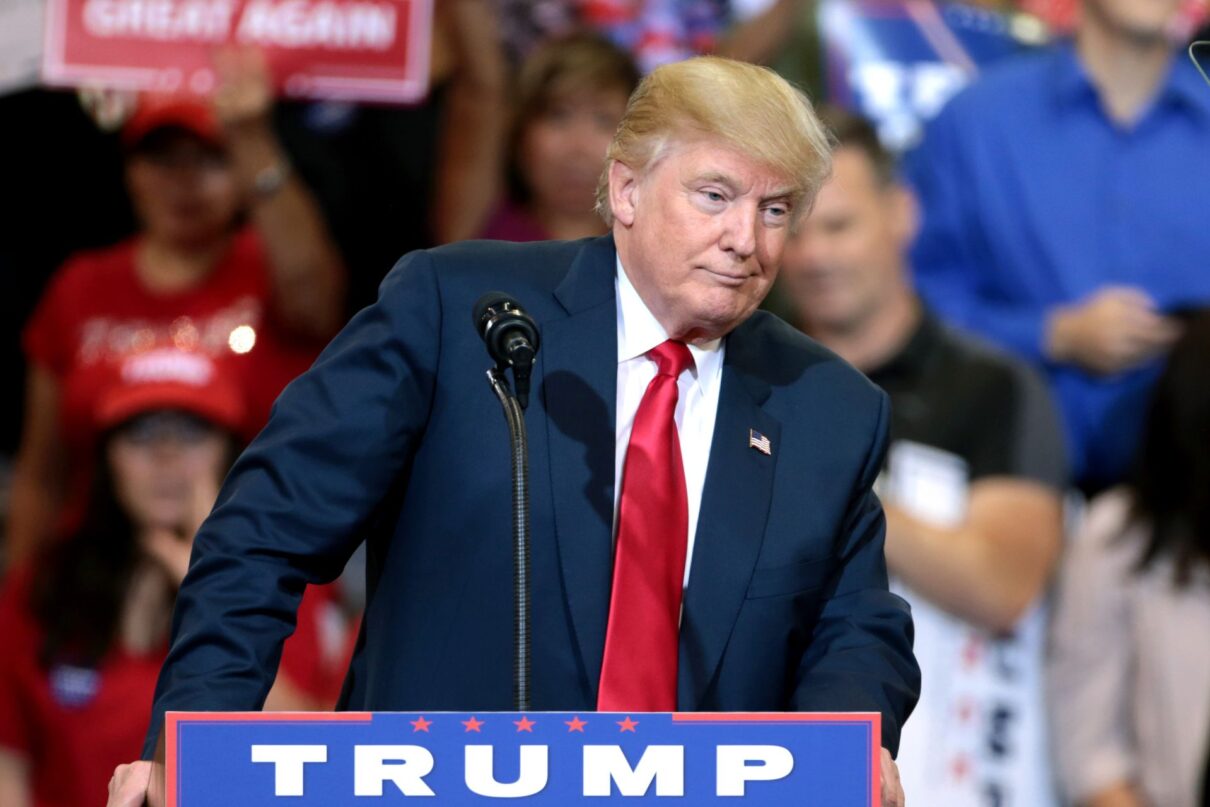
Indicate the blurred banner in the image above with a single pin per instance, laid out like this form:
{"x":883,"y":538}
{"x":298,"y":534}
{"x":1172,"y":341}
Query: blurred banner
{"x":898,"y":61}
{"x":366,"y":50}
{"x":20,"y":43}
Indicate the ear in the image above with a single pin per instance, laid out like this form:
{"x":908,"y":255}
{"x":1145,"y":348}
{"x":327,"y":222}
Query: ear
{"x":623,"y":192}
{"x":905,"y":214}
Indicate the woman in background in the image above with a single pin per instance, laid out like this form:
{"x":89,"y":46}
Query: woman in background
{"x":526,"y":170}
{"x":86,"y":625}
{"x":1129,"y":670}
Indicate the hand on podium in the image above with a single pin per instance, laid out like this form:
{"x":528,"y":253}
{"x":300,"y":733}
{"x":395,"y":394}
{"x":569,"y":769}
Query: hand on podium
{"x":137,"y":784}
{"x":892,"y":790}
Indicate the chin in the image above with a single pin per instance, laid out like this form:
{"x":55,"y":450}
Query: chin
{"x":715,"y":323}
{"x":1148,"y":21}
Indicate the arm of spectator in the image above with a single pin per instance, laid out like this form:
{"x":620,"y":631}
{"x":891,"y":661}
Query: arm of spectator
{"x":1115,"y":329}
{"x":1090,"y":659}
{"x":296,"y":503}
{"x":40,"y":468}
{"x":471,"y":154}
{"x":308,"y":276}
{"x":14,"y":780}
{"x":993,"y":566}
{"x":759,"y":39}
{"x":1119,"y":795}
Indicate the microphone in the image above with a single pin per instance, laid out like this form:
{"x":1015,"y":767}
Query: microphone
{"x":511,"y":336}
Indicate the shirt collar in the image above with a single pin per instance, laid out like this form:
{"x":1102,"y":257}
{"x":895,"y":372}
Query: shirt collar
{"x":1182,"y":86}
{"x":911,"y":360}
{"x":639,"y":331}
{"x":1186,"y":86}
{"x":1071,"y":81}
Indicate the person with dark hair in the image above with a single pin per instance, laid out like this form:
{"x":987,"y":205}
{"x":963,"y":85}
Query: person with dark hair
{"x":232,"y":258}
{"x":1129,"y":670}
{"x":86,"y":623}
{"x":972,"y":487}
{"x":527,"y":170}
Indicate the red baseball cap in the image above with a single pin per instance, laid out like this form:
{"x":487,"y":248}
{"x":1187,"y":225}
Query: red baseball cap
{"x":161,"y":110}
{"x":169,"y":378}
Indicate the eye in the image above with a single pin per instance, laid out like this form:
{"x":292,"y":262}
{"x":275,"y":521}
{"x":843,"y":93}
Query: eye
{"x":777,"y":214}
{"x":711,"y":199}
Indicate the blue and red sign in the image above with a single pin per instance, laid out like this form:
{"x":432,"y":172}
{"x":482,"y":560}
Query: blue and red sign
{"x":542,"y":758}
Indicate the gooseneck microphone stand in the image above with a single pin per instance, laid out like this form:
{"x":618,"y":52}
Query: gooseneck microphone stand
{"x":514,"y":415}
{"x":512,"y":340}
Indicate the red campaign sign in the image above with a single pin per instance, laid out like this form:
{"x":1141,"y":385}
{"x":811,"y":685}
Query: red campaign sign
{"x":367,"y":50}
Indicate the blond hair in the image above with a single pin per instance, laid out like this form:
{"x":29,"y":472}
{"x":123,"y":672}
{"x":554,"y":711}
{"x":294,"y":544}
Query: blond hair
{"x":750,"y":108}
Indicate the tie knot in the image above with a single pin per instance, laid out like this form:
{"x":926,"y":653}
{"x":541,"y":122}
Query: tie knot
{"x":672,"y":358}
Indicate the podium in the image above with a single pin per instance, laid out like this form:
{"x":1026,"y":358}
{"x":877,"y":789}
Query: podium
{"x":240,"y":759}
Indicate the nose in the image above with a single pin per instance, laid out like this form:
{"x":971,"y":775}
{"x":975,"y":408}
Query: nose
{"x":739,"y":232}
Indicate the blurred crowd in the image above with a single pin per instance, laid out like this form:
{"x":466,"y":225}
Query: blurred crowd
{"x":1027,"y":282}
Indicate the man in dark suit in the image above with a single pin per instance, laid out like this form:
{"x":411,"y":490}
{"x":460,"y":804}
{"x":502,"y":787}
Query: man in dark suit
{"x":750,"y":454}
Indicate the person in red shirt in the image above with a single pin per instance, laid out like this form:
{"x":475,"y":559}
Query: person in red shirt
{"x":233,"y":259}
{"x":85,"y":625}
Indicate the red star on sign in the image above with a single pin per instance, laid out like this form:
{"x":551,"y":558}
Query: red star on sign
{"x":420,"y":724}
{"x":576,"y":725}
{"x":472,"y":724}
{"x":628,"y":724}
{"x":524,"y":724}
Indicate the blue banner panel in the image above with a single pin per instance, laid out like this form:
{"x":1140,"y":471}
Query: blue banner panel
{"x":541,"y":758}
{"x":897,"y":62}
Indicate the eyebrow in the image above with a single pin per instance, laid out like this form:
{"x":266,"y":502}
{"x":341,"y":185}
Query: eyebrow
{"x":781,"y":194}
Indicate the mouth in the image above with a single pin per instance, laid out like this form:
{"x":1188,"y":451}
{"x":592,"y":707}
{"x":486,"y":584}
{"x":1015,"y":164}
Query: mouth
{"x":731,"y":279}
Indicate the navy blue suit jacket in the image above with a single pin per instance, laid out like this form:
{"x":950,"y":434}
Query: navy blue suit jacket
{"x":395,"y":437}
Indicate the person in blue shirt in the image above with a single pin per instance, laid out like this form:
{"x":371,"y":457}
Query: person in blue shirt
{"x":1065,"y":197}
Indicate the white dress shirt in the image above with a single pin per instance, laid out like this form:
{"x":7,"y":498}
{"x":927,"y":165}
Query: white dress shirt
{"x":696,"y":406}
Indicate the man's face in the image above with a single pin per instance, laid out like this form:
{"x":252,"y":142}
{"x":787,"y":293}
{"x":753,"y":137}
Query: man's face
{"x":701,"y":234}
{"x":846,"y":260}
{"x":1138,"y":19}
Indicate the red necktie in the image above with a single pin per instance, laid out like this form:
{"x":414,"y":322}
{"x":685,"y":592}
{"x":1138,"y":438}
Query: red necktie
{"x":638,"y":672}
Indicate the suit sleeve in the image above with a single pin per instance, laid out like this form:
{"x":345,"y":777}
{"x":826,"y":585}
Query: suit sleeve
{"x":860,"y":655}
{"x":295,"y":505}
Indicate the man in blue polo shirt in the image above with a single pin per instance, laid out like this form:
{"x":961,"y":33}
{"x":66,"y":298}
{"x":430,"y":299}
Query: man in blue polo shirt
{"x":1065,"y":198}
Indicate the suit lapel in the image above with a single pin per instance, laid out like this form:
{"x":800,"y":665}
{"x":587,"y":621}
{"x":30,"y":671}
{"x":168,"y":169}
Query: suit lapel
{"x":731,"y":522}
{"x":579,"y":388}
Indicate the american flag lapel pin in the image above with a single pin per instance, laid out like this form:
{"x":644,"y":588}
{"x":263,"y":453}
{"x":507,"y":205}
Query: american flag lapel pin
{"x":759,"y":442}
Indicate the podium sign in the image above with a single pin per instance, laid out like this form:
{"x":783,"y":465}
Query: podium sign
{"x":540,"y":758}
